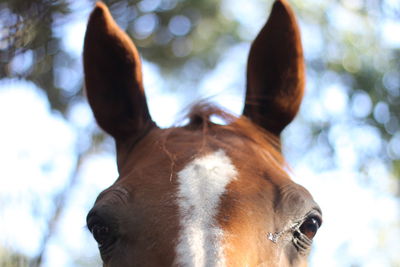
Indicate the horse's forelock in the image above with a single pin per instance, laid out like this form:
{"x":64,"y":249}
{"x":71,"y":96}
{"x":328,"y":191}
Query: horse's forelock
{"x":201,"y":118}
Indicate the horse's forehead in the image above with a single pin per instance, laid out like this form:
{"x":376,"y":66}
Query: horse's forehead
{"x":213,"y":198}
{"x":206,"y":190}
{"x":201,"y":183}
{"x":206,"y":177}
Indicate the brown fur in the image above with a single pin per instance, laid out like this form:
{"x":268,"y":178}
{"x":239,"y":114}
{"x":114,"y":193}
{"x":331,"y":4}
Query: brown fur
{"x":140,"y":210}
{"x":260,"y":201}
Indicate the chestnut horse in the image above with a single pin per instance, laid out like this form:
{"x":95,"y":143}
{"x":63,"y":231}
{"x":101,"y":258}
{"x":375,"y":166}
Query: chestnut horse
{"x":202,"y":194}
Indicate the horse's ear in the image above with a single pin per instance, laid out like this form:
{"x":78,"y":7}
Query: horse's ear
{"x":275,"y":71}
{"x":113,"y":77}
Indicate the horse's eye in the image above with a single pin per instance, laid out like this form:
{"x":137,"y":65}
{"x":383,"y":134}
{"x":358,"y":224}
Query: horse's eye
{"x":310,"y":227}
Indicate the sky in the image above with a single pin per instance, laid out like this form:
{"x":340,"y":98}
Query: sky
{"x":361,"y":220}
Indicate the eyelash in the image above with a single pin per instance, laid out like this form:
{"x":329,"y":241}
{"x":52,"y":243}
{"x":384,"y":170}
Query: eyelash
{"x":300,"y":240}
{"x":304,"y":232}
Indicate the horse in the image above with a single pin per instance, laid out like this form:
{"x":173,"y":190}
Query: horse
{"x":203,"y":193}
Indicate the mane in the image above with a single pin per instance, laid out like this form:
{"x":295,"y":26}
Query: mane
{"x":202,"y":114}
{"x":200,"y":117}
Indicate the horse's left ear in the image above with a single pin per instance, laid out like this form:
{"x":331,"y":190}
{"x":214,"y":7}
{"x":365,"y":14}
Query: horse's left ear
{"x":275,"y":71}
{"x":113,"y":78}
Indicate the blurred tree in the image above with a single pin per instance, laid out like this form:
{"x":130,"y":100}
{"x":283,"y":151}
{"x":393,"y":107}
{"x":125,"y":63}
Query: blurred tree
{"x":357,"y":43}
{"x":350,"y":52}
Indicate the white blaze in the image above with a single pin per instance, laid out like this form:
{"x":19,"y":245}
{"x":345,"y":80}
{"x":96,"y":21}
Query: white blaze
{"x":201,"y":184}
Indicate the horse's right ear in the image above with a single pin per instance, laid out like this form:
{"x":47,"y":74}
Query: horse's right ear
{"x":113,"y":78}
{"x":275,"y":71}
